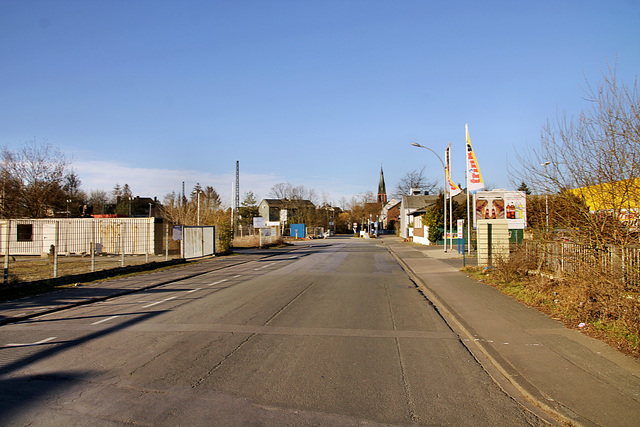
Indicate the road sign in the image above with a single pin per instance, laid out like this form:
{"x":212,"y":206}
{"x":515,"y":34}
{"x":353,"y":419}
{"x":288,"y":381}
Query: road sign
{"x":258,"y":222}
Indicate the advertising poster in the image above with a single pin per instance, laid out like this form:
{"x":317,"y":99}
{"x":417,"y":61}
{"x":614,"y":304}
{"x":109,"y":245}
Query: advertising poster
{"x":516,"y":209}
{"x":177,"y":232}
{"x":509,"y":205}
{"x":489,"y":205}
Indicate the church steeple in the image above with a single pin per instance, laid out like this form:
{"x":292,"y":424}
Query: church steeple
{"x":382,"y":191}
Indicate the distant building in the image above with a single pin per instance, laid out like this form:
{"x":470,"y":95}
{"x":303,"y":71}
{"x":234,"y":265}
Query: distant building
{"x":390,"y":215}
{"x":411,"y":206}
{"x":270,"y":209}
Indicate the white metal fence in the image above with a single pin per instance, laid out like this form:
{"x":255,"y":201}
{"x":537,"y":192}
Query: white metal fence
{"x":572,"y":258}
{"x":198,"y":241}
{"x":36,"y":249}
{"x":76,"y":236}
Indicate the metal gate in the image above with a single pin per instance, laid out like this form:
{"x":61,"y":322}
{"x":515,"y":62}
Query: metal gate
{"x":198,"y":241}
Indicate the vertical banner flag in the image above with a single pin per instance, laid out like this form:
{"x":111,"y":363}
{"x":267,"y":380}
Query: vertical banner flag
{"x":474,"y":177}
{"x":454,"y":190}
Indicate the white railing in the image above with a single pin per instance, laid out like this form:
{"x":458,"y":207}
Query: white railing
{"x":621,"y":262}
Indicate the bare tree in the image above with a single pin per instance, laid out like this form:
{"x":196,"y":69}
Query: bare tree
{"x":97,"y":200}
{"x":35,"y":175}
{"x":413,"y":179}
{"x":590,"y":165}
{"x":282,"y":190}
{"x":286,"y":191}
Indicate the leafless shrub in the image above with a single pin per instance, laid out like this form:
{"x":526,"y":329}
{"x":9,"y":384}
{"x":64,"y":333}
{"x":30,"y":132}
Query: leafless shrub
{"x":591,"y":295}
{"x":514,"y":267}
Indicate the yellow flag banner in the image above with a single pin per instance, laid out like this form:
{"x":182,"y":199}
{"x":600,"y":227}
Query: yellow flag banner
{"x":454,"y":190}
{"x":474,"y":177}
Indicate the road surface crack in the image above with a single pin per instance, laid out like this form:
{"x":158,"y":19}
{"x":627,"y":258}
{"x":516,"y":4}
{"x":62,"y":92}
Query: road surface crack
{"x":246,"y":340}
{"x":405,"y":382}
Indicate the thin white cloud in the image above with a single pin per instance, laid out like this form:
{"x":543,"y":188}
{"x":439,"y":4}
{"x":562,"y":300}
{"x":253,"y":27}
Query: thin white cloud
{"x":151,"y":182}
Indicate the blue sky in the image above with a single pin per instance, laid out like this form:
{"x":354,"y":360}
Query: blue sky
{"x":315,"y":93}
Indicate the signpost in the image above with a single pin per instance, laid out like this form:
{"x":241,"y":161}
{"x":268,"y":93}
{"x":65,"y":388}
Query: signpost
{"x":461,"y":241}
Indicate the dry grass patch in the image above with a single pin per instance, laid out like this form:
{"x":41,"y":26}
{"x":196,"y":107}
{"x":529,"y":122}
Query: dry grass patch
{"x":246,"y":242}
{"x":593,"y":301}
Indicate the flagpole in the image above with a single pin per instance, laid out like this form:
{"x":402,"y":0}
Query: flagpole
{"x":451,"y":219}
{"x":446,"y":193}
{"x":444,"y":201}
{"x":469,"y":223}
{"x":450,"y":198}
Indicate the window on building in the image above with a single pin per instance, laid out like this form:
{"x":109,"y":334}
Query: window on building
{"x":25,"y":232}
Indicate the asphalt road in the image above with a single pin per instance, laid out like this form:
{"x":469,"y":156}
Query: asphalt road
{"x":333,"y":333}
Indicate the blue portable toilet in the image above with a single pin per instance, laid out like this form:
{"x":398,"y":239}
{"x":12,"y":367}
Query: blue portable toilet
{"x":298,"y":231}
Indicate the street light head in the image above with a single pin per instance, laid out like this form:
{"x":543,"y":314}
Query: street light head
{"x":415,"y":144}
{"x":545,"y":164}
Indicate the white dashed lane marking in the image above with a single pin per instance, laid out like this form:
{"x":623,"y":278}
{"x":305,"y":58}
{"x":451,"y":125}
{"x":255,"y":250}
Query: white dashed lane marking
{"x":157,"y":302}
{"x":105,"y":320}
{"x":30,"y":344}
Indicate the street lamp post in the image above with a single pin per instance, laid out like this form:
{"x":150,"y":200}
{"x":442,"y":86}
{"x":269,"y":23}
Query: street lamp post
{"x":444,"y":169}
{"x":198,"y":205}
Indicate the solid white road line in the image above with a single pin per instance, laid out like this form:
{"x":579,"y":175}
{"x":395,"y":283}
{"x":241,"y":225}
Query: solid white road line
{"x":104,"y":320}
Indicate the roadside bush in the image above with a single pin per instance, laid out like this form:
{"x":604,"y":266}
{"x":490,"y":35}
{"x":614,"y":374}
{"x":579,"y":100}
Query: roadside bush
{"x":224,"y":236}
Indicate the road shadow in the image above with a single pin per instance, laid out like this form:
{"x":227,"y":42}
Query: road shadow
{"x":18,"y":394}
{"x":17,"y":391}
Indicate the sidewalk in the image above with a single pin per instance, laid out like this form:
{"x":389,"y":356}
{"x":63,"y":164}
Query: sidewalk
{"x":577,"y":379}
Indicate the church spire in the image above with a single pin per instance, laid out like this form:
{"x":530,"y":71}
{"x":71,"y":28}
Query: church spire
{"x":382,"y":191}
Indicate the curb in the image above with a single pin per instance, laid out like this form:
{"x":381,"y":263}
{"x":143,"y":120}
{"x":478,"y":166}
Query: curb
{"x":497,"y":367}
